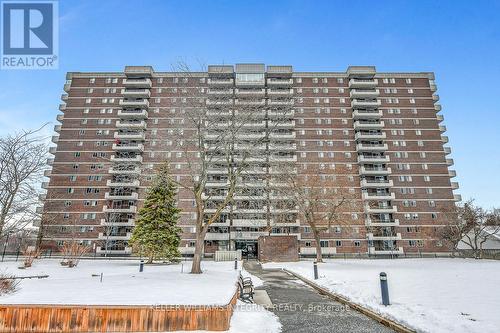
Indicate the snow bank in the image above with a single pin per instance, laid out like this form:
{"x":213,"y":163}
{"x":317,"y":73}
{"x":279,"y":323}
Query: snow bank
{"x":430,"y":295}
{"x":122,"y":283}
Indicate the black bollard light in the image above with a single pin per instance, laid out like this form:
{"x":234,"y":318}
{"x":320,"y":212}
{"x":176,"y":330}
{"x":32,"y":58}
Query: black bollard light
{"x":315,"y":270}
{"x":384,"y":289}
{"x":141,"y":266}
{"x":235,"y":263}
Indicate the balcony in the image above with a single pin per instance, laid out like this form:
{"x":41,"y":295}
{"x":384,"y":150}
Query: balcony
{"x":385,"y":251}
{"x":62,"y":107}
{"x":249,"y":223}
{"x":50,"y":161}
{"x":449,"y":162}
{"x":126,"y":250}
{"x":447,"y":150}
{"x":383,"y":236}
{"x":130,"y":171}
{"x":374,"y":171}
{"x":134,"y":103}
{"x":129,"y":136}
{"x":258,"y":102}
{"x":250,"y":92}
{"x":254,"y":124}
{"x":279,"y":82}
{"x":57,"y":128}
{"x":64,"y":97}
{"x":124,"y":236}
{"x":60,"y":118}
{"x":285,"y":146}
{"x":135,"y":147}
{"x":373,"y":159}
{"x":282,"y":135}
{"x":437,"y":107}
{"x":286,"y":158}
{"x":55,"y":138}
{"x":122,"y":183}
{"x":132,"y":125}
{"x":220,"y":81}
{"x":280,"y":92}
{"x":119,"y":223}
{"x":435,"y":97}
{"x":47,"y":173}
{"x":280,"y":102}
{"x":52,"y":150}
{"x":220,"y":91}
{"x":457,"y":197}
{"x":250,"y":235}
{"x":378,"y":196}
{"x":45,"y":185}
{"x":372,"y":147}
{"x":362,"y":83}
{"x":442,"y":128}
{"x":359,"y":103}
{"x":381,"y":223}
{"x":367,"y":125}
{"x":137,"y":83}
{"x":367,"y":114}
{"x":444,"y":139}
{"x":243,"y":135}
{"x":452,"y":173}
{"x":364,"y":93}
{"x":133,"y":159}
{"x":381,"y":210}
{"x":67,"y":87}
{"x":455,"y":186}
{"x":138,"y":71}
{"x":137,"y":114}
{"x":376,"y":183}
{"x":136,"y":93}
{"x":287,"y":112}
{"x":122,"y":196}
{"x":120,"y":209}
{"x":219,"y":102}
{"x":217,"y":236}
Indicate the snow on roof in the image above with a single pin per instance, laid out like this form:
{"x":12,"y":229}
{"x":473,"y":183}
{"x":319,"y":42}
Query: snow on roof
{"x":494,"y":231}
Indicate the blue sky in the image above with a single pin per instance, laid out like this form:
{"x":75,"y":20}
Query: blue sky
{"x":458,"y":40}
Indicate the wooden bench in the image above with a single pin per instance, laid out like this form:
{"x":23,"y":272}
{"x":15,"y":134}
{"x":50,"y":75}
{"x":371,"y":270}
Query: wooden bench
{"x":246,"y":289}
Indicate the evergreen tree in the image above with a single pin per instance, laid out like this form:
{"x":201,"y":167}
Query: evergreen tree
{"x":156,"y":234}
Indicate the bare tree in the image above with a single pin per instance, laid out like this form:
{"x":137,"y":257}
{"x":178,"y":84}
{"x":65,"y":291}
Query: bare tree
{"x":220,"y":133}
{"x":323,"y":201}
{"x":22,"y":161}
{"x":470,"y":225}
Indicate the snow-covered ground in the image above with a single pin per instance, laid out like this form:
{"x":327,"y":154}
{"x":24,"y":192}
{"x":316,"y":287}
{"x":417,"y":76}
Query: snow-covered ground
{"x":430,"y":295}
{"x":122,"y":283}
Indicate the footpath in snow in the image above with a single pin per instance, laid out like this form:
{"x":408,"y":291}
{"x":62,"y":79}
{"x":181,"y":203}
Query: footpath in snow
{"x":429,"y":295}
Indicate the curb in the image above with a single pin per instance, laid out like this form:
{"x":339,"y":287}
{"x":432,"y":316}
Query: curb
{"x":341,"y":299}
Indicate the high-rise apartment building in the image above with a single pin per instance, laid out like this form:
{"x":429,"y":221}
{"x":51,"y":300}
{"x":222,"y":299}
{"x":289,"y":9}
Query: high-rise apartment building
{"x":379,"y":133}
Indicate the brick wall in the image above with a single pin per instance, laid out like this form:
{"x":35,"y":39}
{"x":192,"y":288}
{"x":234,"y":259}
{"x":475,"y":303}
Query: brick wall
{"x":278,"y":248}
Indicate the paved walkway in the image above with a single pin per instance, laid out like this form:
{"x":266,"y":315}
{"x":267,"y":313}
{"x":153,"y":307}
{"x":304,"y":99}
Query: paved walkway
{"x":301,"y":309}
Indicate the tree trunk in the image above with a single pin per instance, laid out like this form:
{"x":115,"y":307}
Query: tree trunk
{"x":198,"y":250}
{"x":319,"y":256}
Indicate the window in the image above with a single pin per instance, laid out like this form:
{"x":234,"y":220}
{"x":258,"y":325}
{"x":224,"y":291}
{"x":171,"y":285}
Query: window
{"x":338,"y":243}
{"x":323,"y":243}
{"x":357,"y":243}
